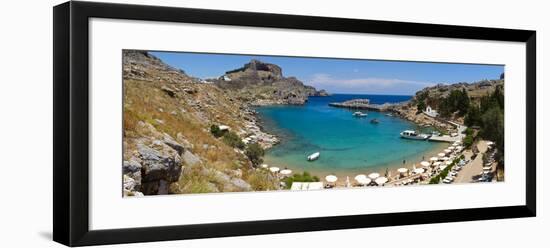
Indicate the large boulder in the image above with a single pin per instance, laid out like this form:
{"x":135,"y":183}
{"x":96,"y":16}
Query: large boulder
{"x":160,"y":166}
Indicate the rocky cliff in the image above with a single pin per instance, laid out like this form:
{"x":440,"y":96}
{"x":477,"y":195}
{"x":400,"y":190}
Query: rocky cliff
{"x":168,"y":146}
{"x":262,"y":83}
{"x":475,"y":90}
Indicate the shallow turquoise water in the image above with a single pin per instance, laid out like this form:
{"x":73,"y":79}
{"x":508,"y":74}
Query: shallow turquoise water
{"x":346,"y":143}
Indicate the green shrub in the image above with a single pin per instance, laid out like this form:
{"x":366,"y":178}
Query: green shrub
{"x":215,"y":130}
{"x":233,"y":140}
{"x":255,"y":152}
{"x":468,"y":141}
{"x":304,"y":177}
{"x":435,"y":180}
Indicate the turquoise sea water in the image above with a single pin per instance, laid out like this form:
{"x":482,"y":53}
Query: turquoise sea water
{"x":346,"y":143}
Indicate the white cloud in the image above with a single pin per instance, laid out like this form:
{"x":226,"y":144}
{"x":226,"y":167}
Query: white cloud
{"x":367,"y":84}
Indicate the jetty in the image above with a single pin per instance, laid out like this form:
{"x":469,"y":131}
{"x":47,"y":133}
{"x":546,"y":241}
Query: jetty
{"x":365,"y":104}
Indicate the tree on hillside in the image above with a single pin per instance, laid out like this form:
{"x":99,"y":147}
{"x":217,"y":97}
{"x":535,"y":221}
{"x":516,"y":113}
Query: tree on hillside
{"x":457,"y":101}
{"x":421,"y":101}
{"x":255,"y":152}
{"x":233,"y":140}
{"x":463,"y":102}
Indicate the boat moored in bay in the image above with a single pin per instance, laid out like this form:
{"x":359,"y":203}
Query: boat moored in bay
{"x":359,"y":114}
{"x":410,"y":134}
{"x":313,"y":156}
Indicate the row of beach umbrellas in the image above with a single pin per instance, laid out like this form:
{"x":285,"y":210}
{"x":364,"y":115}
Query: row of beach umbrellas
{"x":381,"y":180}
{"x":275,"y":169}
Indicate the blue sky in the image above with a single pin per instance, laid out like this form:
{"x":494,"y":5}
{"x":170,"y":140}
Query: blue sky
{"x":341,"y":75}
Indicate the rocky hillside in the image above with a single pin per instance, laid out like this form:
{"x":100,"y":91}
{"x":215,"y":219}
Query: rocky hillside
{"x":434,"y":95}
{"x":169,"y":147}
{"x":475,"y":90}
{"x":262,"y":83}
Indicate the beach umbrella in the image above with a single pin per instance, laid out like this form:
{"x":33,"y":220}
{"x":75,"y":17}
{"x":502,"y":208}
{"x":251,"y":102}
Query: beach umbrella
{"x":441,"y":154}
{"x":442,"y":167}
{"x":445,"y":158}
{"x":402,"y":170}
{"x":456,"y":143}
{"x":362,"y":179}
{"x":433,"y":159}
{"x":418,"y":171}
{"x":286,"y":172}
{"x":274,"y":169}
{"x":447,"y":151}
{"x":374,"y":175}
{"x":265,"y":166}
{"x":425,"y":163}
{"x":449,"y":162}
{"x":331,"y":178}
{"x":451,"y":148}
{"x":381,"y":180}
{"x":437,"y":163}
{"x":490,"y":143}
{"x":458,"y":148}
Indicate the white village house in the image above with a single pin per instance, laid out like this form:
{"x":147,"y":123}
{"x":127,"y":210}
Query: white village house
{"x":431,"y":112}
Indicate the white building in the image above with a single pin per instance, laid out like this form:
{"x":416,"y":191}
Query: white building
{"x":431,"y":112}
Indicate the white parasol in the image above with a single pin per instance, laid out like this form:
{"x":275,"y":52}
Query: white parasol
{"x":425,"y":163}
{"x":286,"y":172}
{"x":374,"y":175}
{"x":381,"y":180}
{"x":331,"y":178}
{"x":362,"y":179}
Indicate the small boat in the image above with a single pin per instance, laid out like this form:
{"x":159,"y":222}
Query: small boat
{"x":313,"y":156}
{"x":374,"y":121}
{"x":389,"y":114}
{"x":359,"y":114}
{"x":409,"y":134}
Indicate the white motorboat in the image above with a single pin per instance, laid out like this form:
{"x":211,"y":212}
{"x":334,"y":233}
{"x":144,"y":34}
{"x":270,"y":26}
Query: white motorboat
{"x":313,"y":156}
{"x":360,"y":114}
{"x":409,"y":134}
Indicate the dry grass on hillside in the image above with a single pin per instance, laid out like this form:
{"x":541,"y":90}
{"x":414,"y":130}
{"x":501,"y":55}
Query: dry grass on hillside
{"x":144,"y":101}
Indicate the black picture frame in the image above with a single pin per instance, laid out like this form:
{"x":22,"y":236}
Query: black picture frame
{"x":71,"y":123}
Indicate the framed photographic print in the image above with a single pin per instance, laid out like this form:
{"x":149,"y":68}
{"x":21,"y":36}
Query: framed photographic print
{"x":177,"y":123}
